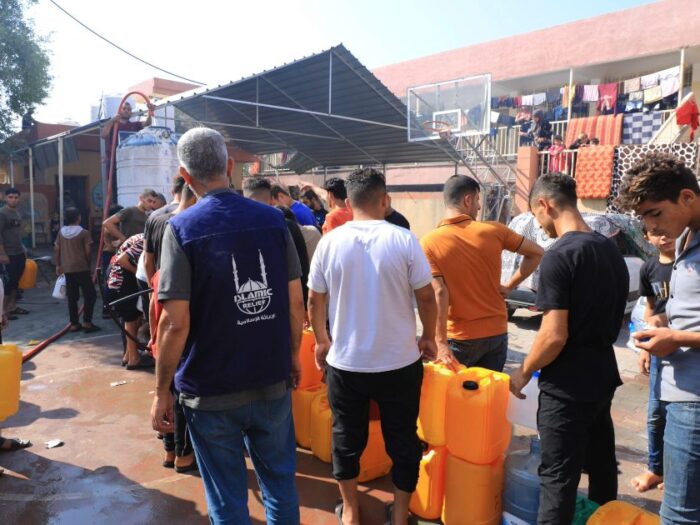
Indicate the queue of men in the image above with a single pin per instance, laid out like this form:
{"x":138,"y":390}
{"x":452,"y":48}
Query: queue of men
{"x":360,"y":274}
{"x":233,"y":275}
{"x":363,"y":278}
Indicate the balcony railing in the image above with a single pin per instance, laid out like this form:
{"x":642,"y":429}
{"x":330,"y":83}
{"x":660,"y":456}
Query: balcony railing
{"x":565,"y":162}
{"x":507,"y":141}
{"x":508,"y":138}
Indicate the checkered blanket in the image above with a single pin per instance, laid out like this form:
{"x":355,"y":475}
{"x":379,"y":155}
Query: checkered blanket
{"x":639,"y":128}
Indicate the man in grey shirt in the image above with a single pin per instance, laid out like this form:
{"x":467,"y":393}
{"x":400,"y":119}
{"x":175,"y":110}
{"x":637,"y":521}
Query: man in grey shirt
{"x":229,"y":335}
{"x":12,"y":253}
{"x":665,"y":193}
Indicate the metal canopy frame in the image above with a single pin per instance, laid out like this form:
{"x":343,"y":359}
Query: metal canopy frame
{"x":327,"y":108}
{"x":361,"y":121}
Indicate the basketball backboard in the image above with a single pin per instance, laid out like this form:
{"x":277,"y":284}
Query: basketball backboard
{"x":462,"y":105}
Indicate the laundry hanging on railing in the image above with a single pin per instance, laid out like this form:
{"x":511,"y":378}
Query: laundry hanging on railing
{"x":538,"y":99}
{"x":607,"y":97}
{"x":594,"y":170}
{"x":652,"y":92}
{"x":590,"y":93}
{"x":553,"y":95}
{"x":649,"y":81}
{"x":639,"y":128}
{"x":632,"y":85}
{"x":687,"y":115}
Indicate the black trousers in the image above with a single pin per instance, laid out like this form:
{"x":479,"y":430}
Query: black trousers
{"x":75,"y":283}
{"x":145,"y":299}
{"x":397,"y":393}
{"x":178,"y":441}
{"x":15,"y":269}
{"x":574,"y":435}
{"x":104,"y":266}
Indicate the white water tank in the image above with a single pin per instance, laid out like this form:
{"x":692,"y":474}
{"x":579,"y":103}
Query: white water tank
{"x":147,"y":159}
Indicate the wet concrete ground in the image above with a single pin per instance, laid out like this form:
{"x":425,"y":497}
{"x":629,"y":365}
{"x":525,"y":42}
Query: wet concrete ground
{"x":108,"y":471}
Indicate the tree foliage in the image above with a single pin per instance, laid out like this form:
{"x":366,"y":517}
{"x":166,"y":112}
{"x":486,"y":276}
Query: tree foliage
{"x":24,"y":66}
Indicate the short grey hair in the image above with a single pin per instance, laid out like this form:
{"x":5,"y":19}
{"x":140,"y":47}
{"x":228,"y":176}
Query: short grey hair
{"x":202,"y":152}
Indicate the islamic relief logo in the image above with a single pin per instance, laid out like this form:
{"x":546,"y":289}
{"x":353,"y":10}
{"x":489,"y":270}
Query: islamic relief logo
{"x":252,"y":297}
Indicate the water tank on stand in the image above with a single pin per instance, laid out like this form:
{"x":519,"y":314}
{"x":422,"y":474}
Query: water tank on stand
{"x":147,"y":159}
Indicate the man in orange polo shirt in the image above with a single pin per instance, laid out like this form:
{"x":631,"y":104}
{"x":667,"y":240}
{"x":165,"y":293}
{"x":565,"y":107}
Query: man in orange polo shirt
{"x":340,"y":213}
{"x":465,"y":260}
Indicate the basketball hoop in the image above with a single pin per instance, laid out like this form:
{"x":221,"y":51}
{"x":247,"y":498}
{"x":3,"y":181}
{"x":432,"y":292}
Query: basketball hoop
{"x":442,"y":128}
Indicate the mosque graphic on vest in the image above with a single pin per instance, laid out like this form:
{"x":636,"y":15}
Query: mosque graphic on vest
{"x":252,"y":297}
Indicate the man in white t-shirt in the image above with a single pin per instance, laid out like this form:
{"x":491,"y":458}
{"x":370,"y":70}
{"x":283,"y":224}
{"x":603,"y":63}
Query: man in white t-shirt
{"x":368,"y":271}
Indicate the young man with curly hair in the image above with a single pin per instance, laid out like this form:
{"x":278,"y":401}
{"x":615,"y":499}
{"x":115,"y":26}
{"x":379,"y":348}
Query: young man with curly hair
{"x":665,"y":194}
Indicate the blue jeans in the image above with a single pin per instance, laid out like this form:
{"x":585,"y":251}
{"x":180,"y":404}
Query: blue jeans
{"x":656,"y":419}
{"x":267,"y":431}
{"x":681,"y":503}
{"x":487,"y":352}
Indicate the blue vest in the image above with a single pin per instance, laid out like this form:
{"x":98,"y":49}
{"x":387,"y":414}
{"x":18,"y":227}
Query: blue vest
{"x":239,"y":335}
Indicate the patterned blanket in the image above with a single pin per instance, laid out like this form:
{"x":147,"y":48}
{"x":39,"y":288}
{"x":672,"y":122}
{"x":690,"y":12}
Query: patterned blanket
{"x":639,"y":128}
{"x":594,"y":169}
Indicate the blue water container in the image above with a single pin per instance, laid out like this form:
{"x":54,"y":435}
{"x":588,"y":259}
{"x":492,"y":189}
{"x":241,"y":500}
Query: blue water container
{"x":521,"y":495}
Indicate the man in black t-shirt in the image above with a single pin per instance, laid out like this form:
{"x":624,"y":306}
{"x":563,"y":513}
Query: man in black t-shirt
{"x":582,"y":293}
{"x":655,"y":275}
{"x":654,"y":284}
{"x":394,"y":217}
{"x":155,"y":227}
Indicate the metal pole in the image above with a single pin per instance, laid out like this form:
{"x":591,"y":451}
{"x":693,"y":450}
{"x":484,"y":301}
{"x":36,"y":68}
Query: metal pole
{"x":12,"y":172}
{"x":681,"y":78}
{"x":103,"y":170}
{"x":569,"y":94}
{"x":330,"y":83}
{"x":60,"y":180}
{"x":31,"y":195}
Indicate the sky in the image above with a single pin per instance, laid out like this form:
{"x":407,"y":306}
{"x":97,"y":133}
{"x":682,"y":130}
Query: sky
{"x":218,"y":41}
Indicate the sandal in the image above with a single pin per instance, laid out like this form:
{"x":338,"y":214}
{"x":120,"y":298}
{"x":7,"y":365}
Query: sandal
{"x":144,"y":362}
{"x":389,"y":512}
{"x":75,"y":328}
{"x":20,"y":311}
{"x":15,"y":444}
{"x":339,"y":512}
{"x":91,"y":328}
{"x":189,"y":468}
{"x":168,"y":463}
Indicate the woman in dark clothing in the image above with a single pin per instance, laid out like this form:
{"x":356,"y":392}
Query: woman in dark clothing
{"x":540,"y":131}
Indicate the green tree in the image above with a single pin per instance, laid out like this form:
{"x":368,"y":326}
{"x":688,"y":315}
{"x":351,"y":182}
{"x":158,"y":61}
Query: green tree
{"x":24,"y":66}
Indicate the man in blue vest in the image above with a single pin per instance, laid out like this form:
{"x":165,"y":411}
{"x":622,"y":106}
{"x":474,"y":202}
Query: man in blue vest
{"x":229,"y":335}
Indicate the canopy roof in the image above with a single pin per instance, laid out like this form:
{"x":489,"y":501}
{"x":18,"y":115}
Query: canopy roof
{"x":326,"y":110}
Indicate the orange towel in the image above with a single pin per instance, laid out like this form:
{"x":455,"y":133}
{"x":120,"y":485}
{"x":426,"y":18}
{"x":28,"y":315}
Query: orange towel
{"x":573,"y":130}
{"x":577,"y":126}
{"x":609,"y":129}
{"x":594,"y":170}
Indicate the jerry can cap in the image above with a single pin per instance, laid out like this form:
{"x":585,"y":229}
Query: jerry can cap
{"x":470,"y":385}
